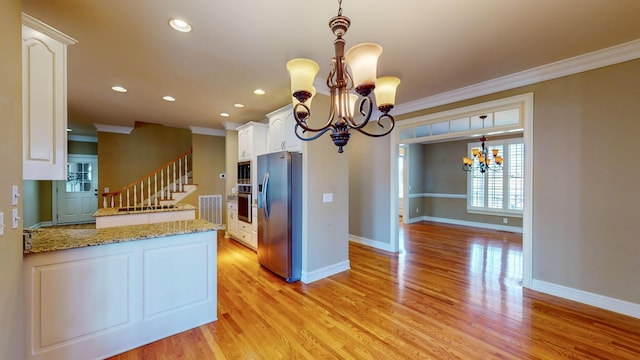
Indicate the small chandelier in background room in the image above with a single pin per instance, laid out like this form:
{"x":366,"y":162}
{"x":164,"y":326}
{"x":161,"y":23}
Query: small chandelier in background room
{"x":363,"y":61}
{"x":483,"y":159}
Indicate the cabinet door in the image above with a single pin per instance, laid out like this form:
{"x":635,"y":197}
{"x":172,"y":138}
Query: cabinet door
{"x":245,"y":143}
{"x":277,"y":130}
{"x":44,"y":107}
{"x":291,"y":141}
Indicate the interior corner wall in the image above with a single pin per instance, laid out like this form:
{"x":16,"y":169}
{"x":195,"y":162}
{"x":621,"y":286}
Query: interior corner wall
{"x":208,"y":163}
{"x":369,"y":184}
{"x":11,"y":278}
{"x":123,"y":158}
{"x":415,"y":164}
{"x":584,"y":205}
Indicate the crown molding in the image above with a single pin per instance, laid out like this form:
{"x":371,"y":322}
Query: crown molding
{"x":83,"y":138}
{"x":38,"y":25}
{"x":593,"y":60}
{"x":207,"y":131}
{"x":114,"y":129}
{"x":230,"y":125}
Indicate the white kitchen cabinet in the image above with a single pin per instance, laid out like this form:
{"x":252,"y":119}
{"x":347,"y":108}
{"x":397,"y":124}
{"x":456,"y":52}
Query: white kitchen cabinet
{"x":282,"y":131}
{"x":252,"y":140}
{"x":232,"y":218}
{"x":44,"y":100}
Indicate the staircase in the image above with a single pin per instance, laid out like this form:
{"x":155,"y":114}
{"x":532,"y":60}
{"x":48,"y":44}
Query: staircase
{"x":163,"y":187}
{"x":154,"y":197}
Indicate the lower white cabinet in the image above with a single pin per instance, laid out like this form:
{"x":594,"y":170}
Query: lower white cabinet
{"x":240,"y":230}
{"x":99,"y":301}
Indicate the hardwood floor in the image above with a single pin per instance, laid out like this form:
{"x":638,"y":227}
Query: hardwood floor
{"x":455,"y":293}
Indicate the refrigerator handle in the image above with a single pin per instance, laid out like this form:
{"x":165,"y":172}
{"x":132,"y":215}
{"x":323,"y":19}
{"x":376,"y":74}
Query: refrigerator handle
{"x":265,"y":186}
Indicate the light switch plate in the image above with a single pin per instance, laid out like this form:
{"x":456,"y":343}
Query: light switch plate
{"x":15,"y":219}
{"x":1,"y":223}
{"x":327,"y":197}
{"x":14,"y":195}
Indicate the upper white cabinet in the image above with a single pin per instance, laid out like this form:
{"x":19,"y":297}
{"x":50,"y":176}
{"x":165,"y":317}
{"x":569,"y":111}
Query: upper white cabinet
{"x":252,"y":141}
{"x":282,"y":130}
{"x":44,"y":100}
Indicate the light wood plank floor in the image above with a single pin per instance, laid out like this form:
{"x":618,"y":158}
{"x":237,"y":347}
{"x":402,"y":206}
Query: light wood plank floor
{"x":454,"y":294}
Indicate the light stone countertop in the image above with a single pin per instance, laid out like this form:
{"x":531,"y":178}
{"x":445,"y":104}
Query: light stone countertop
{"x":45,"y":240}
{"x":146,"y":209}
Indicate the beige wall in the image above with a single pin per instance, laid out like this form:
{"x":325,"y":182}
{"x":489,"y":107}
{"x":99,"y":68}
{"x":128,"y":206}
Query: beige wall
{"x":82,"y":148}
{"x":208,"y":164}
{"x":11,"y":294}
{"x":123,"y":158}
{"x":231,"y":162}
{"x":369,"y":184}
{"x":325,"y":225}
{"x":584,"y":189}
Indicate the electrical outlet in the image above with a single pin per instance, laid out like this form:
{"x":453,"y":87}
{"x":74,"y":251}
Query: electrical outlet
{"x":505,"y":220}
{"x":417,"y":211}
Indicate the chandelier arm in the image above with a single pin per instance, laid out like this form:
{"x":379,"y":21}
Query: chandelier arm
{"x":367,"y":114}
{"x":301,"y":120}
{"x":312,"y":137}
{"x":391,"y":119}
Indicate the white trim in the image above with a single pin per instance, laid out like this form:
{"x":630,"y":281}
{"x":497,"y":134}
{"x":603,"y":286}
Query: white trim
{"x":514,"y":229}
{"x":311,"y":276}
{"x":114,"y":129}
{"x":527,"y":213}
{"x":38,"y":25}
{"x":230,"y":125}
{"x":372,"y":243}
{"x":577,"y":64}
{"x":83,"y":138}
{"x":438,"y":195}
{"x":41,"y":225}
{"x":601,"y":301}
{"x":207,"y":131}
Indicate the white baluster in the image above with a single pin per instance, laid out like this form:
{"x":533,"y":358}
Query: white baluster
{"x":104,"y":202}
{"x":112,"y":204}
{"x":168,"y":182}
{"x":135,"y":196}
{"x":128,"y":197}
{"x":141,"y":193}
{"x":149,"y":190}
{"x":155,"y":187}
{"x":120,"y":196}
{"x":180,"y":172}
{"x":186,"y":172}
{"x":174,"y":177}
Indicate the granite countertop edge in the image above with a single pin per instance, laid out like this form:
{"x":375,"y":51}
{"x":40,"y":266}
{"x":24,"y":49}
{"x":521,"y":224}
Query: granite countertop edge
{"x":47,"y":240}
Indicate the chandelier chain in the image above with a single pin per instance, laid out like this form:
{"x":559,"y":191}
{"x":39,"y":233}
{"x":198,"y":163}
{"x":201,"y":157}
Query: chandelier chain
{"x":339,"y":7}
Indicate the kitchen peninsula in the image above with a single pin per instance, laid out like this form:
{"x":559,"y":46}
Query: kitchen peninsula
{"x":93,"y":293}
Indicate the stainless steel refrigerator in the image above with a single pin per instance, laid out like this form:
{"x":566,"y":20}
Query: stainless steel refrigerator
{"x":280,"y":213}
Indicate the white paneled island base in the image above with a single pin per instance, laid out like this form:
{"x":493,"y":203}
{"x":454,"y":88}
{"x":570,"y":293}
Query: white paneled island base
{"x":97,"y":301}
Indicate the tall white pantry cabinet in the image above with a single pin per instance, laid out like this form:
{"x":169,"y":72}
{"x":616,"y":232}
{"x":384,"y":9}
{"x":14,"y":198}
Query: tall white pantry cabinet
{"x":44,"y":100}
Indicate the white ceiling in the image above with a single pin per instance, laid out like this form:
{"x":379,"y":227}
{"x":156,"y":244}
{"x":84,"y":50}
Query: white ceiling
{"x":237,"y":46}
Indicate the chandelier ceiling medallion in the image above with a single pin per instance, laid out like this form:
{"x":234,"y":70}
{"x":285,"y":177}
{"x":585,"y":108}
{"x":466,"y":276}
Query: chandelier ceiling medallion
{"x":481,"y":159}
{"x":362,"y":60}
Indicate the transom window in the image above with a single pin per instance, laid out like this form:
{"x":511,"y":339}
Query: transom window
{"x":498,"y":192}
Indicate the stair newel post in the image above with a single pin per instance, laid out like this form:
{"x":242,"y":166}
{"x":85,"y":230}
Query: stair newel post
{"x":128,"y":197}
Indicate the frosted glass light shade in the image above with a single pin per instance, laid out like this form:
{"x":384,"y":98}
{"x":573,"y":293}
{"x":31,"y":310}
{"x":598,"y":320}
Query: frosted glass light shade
{"x":363,"y":60}
{"x":302,"y":73}
{"x":385,"y":90}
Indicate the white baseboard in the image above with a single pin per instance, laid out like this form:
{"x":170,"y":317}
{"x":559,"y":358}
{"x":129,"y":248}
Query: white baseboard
{"x":41,"y":225}
{"x":311,"y":276}
{"x":372,"y":243}
{"x":514,"y":229}
{"x":601,"y":301}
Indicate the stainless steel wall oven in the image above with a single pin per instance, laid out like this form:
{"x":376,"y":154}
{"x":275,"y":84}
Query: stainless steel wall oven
{"x":244,"y":191}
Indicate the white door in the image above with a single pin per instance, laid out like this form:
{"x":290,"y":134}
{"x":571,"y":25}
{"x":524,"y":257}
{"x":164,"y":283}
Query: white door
{"x":77,"y":197}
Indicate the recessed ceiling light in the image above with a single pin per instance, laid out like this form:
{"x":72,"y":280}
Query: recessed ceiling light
{"x":180,"y":25}
{"x":259,"y":92}
{"x":119,"y":89}
{"x":168,"y":98}
{"x":224,"y":114}
{"x":238,"y":105}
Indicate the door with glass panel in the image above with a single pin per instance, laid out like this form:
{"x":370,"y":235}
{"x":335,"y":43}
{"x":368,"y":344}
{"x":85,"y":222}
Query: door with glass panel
{"x":77,"y":197}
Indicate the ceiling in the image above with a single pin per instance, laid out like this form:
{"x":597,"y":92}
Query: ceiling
{"x":238,"y":46}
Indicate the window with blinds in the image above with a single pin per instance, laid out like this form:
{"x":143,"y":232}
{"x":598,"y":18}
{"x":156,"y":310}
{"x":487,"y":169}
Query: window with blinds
{"x":498,"y":192}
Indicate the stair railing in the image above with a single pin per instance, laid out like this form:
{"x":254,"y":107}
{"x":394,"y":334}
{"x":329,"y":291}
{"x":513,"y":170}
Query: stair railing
{"x":169,"y":178}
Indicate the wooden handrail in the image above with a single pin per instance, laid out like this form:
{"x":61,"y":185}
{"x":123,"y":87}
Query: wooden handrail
{"x":142,"y":178}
